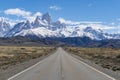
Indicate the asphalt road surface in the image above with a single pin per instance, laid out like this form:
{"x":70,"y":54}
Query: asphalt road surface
{"x":61,"y":66}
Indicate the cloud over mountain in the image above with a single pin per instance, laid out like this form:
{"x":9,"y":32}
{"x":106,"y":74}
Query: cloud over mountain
{"x":44,"y":26}
{"x":23,"y":15}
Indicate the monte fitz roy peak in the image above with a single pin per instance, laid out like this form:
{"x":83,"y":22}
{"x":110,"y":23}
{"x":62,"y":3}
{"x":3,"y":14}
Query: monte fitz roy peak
{"x":43,"y":27}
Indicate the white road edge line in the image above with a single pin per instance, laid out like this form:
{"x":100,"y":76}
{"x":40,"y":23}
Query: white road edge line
{"x":75,"y":58}
{"x":96,"y":70}
{"x":26,"y":69}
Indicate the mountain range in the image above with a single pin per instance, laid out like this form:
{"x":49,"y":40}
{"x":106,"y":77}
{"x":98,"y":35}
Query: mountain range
{"x":44,"y":27}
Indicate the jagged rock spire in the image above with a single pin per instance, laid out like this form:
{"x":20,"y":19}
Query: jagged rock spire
{"x":47,"y":17}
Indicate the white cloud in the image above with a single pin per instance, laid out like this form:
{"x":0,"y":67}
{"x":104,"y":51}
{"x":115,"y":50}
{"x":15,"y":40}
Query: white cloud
{"x":10,"y":21}
{"x":23,"y":13}
{"x":33,"y":16}
{"x":62,"y":20}
{"x":55,"y":8}
{"x":93,"y":24}
{"x":104,"y":28}
{"x":101,"y":26}
{"x":38,"y":14}
{"x":17,"y":12}
{"x":76,"y":22}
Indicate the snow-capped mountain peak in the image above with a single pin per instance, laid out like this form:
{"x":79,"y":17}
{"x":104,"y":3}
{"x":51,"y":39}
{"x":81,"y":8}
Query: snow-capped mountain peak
{"x":91,"y":30}
{"x":47,"y":17}
{"x":4,"y":27}
{"x":27,"y":25}
{"x":39,"y":22}
{"x":94,"y":33}
{"x":44,"y":27}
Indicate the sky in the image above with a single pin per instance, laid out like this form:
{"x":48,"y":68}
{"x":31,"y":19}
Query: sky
{"x":103,"y":12}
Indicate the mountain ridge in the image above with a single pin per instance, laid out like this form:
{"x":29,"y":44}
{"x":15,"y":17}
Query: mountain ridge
{"x":44,"y":27}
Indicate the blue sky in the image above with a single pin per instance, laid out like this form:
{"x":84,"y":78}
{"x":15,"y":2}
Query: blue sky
{"x":105,"y":11}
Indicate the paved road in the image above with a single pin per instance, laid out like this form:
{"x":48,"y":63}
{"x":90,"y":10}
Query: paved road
{"x":61,"y":66}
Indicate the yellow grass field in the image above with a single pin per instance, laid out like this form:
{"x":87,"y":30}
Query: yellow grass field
{"x":106,"y":57}
{"x":15,"y":55}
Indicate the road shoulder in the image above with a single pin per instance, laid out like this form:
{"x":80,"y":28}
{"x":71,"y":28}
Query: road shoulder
{"x":12,"y":70}
{"x":106,"y":71}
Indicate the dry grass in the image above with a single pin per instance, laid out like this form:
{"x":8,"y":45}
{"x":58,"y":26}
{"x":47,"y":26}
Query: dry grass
{"x":106,"y":57}
{"x":14,"y":55}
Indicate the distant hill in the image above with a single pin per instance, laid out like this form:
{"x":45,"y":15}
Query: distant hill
{"x":69,"y":41}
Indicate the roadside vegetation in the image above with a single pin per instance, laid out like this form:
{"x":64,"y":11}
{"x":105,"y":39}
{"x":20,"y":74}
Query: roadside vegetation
{"x":15,"y":55}
{"x":108,"y":58}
